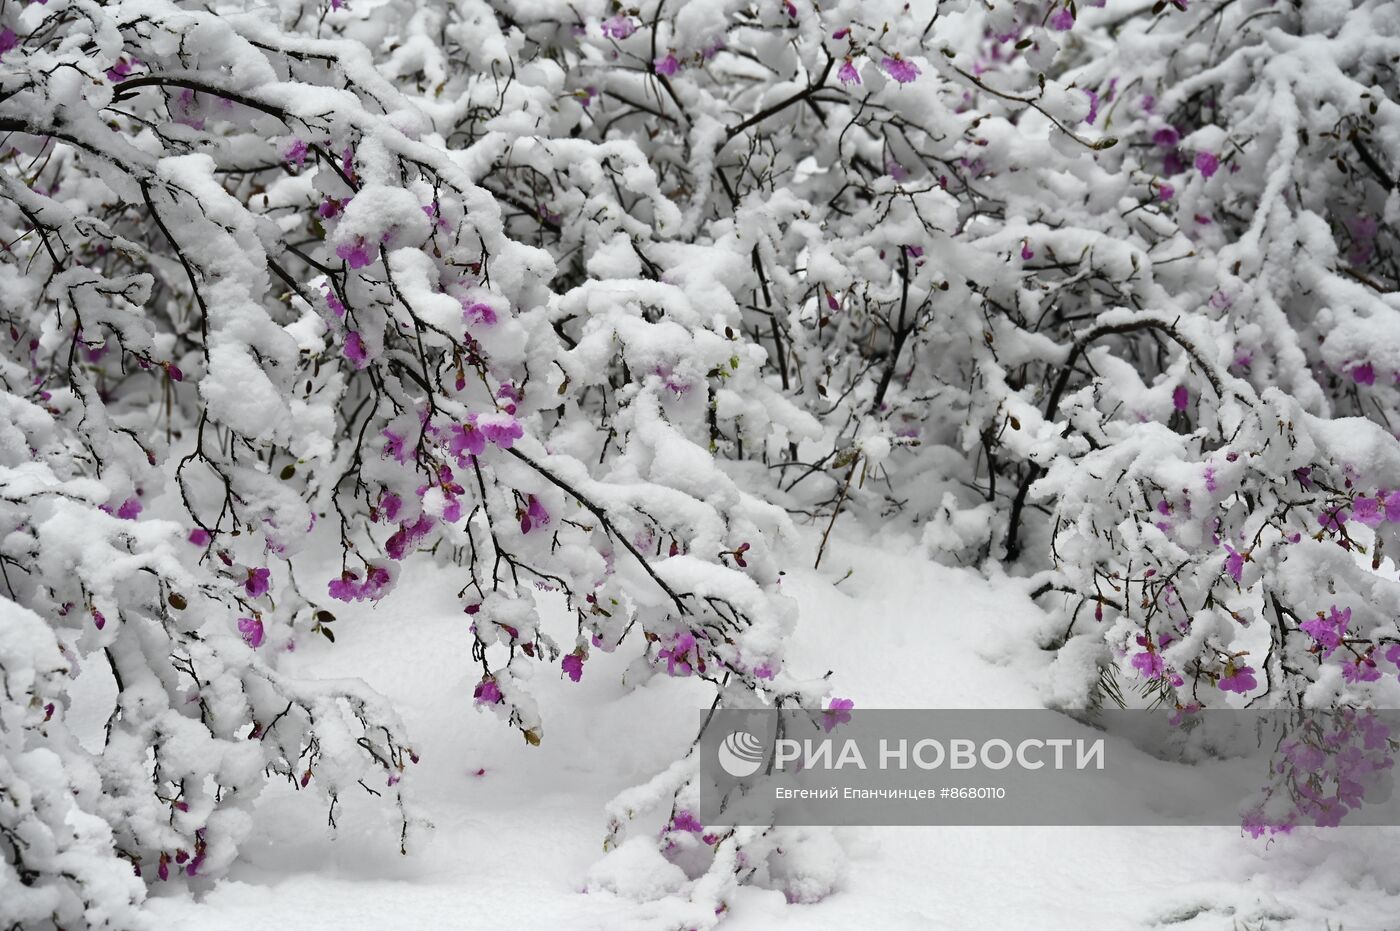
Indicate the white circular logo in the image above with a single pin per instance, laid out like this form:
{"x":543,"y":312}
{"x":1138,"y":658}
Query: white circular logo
{"x":741,"y":754}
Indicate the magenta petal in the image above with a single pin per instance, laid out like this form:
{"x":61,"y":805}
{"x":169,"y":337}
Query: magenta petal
{"x":573,"y":666}
{"x":252,"y":631}
{"x":900,"y":69}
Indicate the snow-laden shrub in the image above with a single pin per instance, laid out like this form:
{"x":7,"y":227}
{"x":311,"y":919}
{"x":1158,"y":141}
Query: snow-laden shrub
{"x":1109,"y":291}
{"x":59,"y":850}
{"x":1222,"y":482}
{"x":276,"y":267}
{"x":199,"y":721}
{"x":588,"y":299}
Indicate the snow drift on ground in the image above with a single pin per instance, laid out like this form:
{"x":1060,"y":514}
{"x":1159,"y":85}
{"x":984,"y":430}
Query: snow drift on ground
{"x":517,"y":836}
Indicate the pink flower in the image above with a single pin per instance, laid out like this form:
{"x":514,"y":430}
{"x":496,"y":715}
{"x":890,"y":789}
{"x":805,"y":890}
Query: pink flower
{"x":573,"y":666}
{"x":1333,"y":518}
{"x":764,"y":671}
{"x":407,"y":535}
{"x":501,"y":429}
{"x":120,"y":70}
{"x":8,"y":40}
{"x":345,"y":588}
{"x":1363,"y":231}
{"x":252,"y":631}
{"x":1328,"y":632}
{"x":1027,"y":253}
{"x":1360,"y":669}
{"x":355,"y":350}
{"x":487,"y":692}
{"x":199,"y":537}
{"x":848,"y":73}
{"x":1180,"y":398}
{"x":1149,"y":664}
{"x":479,"y":313}
{"x":1167,"y":137}
{"x":1206,"y":163}
{"x":508,"y":394}
{"x":685,"y":821}
{"x":1392,"y":506}
{"x":378,"y":581}
{"x":130,"y":509}
{"x":1364,"y":374}
{"x":466,"y":438}
{"x":1392,"y":654}
{"x":677,"y":656}
{"x":258,"y":582}
{"x":1255,"y":824}
{"x":98,"y":620}
{"x":356,"y":254}
{"x":678,"y":385}
{"x":1234,"y":563}
{"x":1062,"y":19}
{"x":901,"y":70}
{"x":431,"y":212}
{"x":391,"y":505}
{"x":619,"y":27}
{"x":1238,"y":679}
{"x":296,"y":152}
{"x":535,"y":515}
{"x":667,"y":66}
{"x":187,"y":104}
{"x":837,"y":713}
{"x":395,"y":446}
{"x":1367,"y":511}
{"x":1165,"y":192}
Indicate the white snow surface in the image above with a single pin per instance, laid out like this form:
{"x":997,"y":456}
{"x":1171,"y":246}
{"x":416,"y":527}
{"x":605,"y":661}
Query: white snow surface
{"x":520,"y":846}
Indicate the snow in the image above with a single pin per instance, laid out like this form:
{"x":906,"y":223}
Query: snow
{"x":689,"y":290}
{"x":518,"y":830}
{"x":636,"y":870}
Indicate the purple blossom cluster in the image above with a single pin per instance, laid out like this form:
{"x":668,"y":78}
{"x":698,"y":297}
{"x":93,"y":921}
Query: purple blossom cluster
{"x":1322,"y":772}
